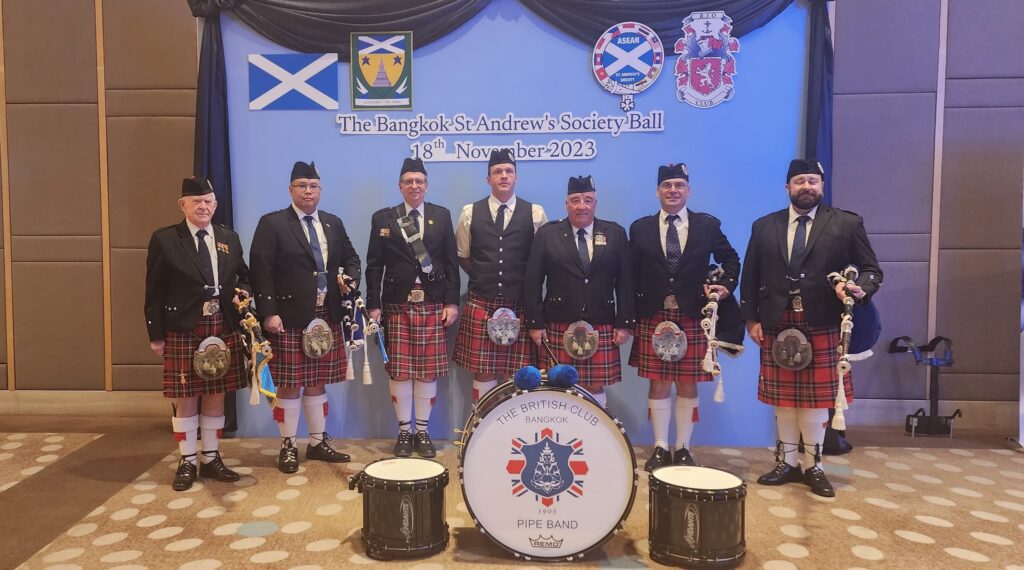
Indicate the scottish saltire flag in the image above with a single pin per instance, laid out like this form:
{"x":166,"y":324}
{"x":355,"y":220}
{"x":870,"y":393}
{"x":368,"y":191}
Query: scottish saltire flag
{"x":293,"y":81}
{"x":382,"y":70}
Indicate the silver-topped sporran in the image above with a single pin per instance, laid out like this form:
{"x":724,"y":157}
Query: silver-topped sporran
{"x":503,"y":327}
{"x":580,"y":340}
{"x":317,"y":339}
{"x":669,"y":341}
{"x":791,"y":350}
{"x":211,"y":359}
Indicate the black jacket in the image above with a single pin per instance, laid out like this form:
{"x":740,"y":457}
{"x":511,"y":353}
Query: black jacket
{"x":284,"y":270}
{"x":174,"y":284}
{"x":606,"y":291}
{"x":837,"y":239}
{"x":391,"y":266}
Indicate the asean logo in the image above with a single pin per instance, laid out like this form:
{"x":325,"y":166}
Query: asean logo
{"x":705,"y":67}
{"x":627,"y":59}
{"x":546,"y":467}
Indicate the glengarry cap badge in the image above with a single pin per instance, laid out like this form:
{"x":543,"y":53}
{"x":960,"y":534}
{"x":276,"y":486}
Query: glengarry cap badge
{"x":317,"y":339}
{"x":669,"y":341}
{"x":580,"y":340}
{"x":211,"y":359}
{"x":503,"y":327}
{"x":791,"y":350}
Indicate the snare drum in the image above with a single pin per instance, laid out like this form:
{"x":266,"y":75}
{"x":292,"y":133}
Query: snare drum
{"x":547,"y":474}
{"x":697,"y":516}
{"x":403,"y":507}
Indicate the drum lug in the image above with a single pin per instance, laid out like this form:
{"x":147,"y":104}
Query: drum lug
{"x":355,"y":481}
{"x":459,"y":431}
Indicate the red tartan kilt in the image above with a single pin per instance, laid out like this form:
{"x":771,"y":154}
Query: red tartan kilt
{"x":416,"y":340}
{"x":602,"y":369}
{"x":179,"y":348}
{"x":812,"y":387}
{"x":291,"y":368}
{"x":474,"y":350}
{"x":648,"y":364}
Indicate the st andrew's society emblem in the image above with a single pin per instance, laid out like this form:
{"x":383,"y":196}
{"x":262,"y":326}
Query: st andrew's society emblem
{"x":547,"y":468}
{"x":705,"y":67}
{"x":382,"y":70}
{"x":627,"y":59}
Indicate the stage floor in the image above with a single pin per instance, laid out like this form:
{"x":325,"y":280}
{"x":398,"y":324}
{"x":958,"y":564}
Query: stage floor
{"x":105,"y":501}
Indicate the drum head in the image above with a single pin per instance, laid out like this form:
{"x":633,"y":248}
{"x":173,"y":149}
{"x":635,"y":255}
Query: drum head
{"x":699,"y":478}
{"x":404,"y":469}
{"x":548,"y":474}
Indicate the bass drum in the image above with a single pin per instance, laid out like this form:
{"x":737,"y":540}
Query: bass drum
{"x":547,"y":474}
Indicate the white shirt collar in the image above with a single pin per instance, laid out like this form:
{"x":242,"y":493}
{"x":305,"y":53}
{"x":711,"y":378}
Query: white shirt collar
{"x":302,"y":215}
{"x":409,"y":209}
{"x":494,"y":203}
{"x":793,"y":215}
{"x":684,"y":216}
{"x":194,"y":228}
{"x":589,"y":229}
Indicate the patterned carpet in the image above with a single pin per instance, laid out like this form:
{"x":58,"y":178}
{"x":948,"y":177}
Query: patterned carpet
{"x":895,"y":508}
{"x":25,"y":454}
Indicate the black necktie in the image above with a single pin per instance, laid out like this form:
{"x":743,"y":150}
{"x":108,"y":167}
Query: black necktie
{"x":205,"y":264}
{"x":318,"y":254}
{"x":500,"y":219}
{"x":796,"y":259}
{"x":581,"y":242}
{"x":672,"y":250}
{"x":415,"y":215}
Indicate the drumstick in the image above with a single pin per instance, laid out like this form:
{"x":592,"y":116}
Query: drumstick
{"x":551,"y":353}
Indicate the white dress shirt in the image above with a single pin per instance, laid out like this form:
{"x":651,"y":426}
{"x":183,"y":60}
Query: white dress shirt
{"x":791,"y":228}
{"x":462,"y":227}
{"x":682,"y":228}
{"x":211,"y":246}
{"x":589,"y":236}
{"x":321,"y":236}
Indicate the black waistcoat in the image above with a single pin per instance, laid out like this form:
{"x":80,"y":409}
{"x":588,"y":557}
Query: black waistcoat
{"x":498,"y":260}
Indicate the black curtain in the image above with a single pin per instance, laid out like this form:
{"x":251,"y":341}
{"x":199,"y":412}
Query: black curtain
{"x":818,"y":133}
{"x":212,"y":159}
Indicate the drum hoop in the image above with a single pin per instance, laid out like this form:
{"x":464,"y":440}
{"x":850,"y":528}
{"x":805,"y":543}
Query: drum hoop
{"x":699,"y":495}
{"x":467,"y":435}
{"x":431,"y":483}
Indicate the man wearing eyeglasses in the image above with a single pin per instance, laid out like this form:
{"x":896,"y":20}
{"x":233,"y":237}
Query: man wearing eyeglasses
{"x":299,"y":255}
{"x":412,"y":278}
{"x":578,"y":290}
{"x":670,"y":252}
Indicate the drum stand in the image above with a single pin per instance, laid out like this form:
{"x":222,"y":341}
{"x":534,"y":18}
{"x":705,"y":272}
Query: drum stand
{"x":932,"y":423}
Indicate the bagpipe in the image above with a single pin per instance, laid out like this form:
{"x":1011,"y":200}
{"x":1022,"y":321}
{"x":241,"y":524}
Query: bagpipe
{"x":847,"y":276}
{"x":357,"y":325}
{"x":709,"y":324}
{"x":257,"y":352}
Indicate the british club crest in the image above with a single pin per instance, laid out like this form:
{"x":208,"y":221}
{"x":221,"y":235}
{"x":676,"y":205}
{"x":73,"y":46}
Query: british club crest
{"x":706,"y":66}
{"x":627,"y":59}
{"x":547,"y":468}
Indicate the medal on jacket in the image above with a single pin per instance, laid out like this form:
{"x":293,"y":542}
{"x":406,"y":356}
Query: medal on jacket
{"x":317,"y":339}
{"x":580,"y":340}
{"x":669,"y":341}
{"x":791,"y":351}
{"x":211,"y":359}
{"x":503,"y":327}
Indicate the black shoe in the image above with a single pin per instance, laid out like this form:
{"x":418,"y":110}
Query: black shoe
{"x":660,"y":458}
{"x":424,"y":447}
{"x":217,"y":470}
{"x":683,"y":457}
{"x":782,"y":474}
{"x":835,"y":443}
{"x":403,"y":447}
{"x":816,"y":480}
{"x":288,"y":459}
{"x":185,"y":475}
{"x":324,"y":452}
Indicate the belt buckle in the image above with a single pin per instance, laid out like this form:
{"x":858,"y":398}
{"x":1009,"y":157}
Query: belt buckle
{"x":416,"y":296}
{"x":798,"y":303}
{"x":211,"y":307}
{"x":670,"y":302}
{"x":321,"y":296}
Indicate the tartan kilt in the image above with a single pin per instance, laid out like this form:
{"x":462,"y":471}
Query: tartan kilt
{"x":474,"y":350}
{"x":648,"y":364}
{"x":291,"y":368}
{"x":417,"y":343}
{"x":602,"y":369}
{"x":179,"y":348}
{"x":812,"y":387}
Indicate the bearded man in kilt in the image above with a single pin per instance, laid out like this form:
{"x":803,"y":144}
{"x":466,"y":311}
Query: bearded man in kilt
{"x":584,"y":264}
{"x":413,"y":278}
{"x":303,"y":263}
{"x":192,"y":270}
{"x":670,"y":252}
{"x":793,"y":312}
{"x":493,"y":238}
